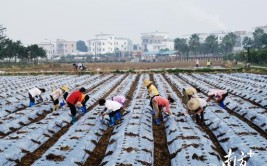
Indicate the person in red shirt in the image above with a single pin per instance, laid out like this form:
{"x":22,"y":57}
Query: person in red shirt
{"x":158,"y":103}
{"x":75,"y":99}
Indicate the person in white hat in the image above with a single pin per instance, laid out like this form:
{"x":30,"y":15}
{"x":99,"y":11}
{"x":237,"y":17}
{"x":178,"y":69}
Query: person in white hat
{"x":197,"y":106}
{"x":57,"y":94}
{"x":189,"y":93}
{"x":218,"y":95}
{"x":152,"y":92}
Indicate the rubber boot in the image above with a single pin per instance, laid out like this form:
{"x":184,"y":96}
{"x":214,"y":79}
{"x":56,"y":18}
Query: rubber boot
{"x":152,"y":112}
{"x":222,"y":104}
{"x":73,"y":119}
{"x":118,"y":116}
{"x":83,"y":110}
{"x":157,"y":121}
{"x":31,"y":104}
{"x":111,"y":121}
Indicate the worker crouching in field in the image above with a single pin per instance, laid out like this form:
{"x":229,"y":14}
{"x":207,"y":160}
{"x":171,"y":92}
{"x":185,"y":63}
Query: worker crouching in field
{"x":121,"y":99}
{"x":218,"y":95}
{"x":75,"y":99}
{"x":197,"y":106}
{"x":152,"y":92}
{"x":57,"y":94}
{"x":158,"y":103}
{"x":35,"y":92}
{"x":189,"y":93}
{"x":111,"y":108}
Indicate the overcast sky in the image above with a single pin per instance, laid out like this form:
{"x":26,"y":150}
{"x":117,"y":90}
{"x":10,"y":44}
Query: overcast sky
{"x":32,"y":21}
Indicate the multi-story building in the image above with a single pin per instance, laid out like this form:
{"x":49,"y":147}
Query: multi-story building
{"x":108,"y":43}
{"x":49,"y":48}
{"x":155,"y":41}
{"x":65,"y":47}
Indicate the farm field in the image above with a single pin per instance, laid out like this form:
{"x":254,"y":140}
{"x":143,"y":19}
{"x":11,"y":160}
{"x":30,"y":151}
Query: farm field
{"x":39,"y":136}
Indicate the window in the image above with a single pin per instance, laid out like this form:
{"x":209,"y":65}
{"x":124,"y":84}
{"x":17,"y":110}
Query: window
{"x":103,"y":49}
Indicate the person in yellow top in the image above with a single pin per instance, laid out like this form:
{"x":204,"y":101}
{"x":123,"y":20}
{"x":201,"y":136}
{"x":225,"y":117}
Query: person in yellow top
{"x":152,"y":91}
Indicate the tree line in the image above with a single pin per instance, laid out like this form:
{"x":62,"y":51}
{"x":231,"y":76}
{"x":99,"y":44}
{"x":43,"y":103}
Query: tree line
{"x":14,"y":50}
{"x":254,"y":48}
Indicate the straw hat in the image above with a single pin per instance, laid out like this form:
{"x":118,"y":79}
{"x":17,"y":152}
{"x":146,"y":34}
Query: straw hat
{"x":193,"y":104}
{"x":190,"y":91}
{"x":65,"y":88}
{"x":147,"y":82}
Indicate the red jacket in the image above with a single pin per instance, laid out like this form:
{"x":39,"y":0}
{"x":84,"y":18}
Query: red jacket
{"x":75,"y":97}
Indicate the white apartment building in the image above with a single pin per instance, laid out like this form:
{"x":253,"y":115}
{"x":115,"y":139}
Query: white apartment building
{"x":49,"y":48}
{"x":108,"y":43}
{"x":65,"y":47}
{"x":155,"y":41}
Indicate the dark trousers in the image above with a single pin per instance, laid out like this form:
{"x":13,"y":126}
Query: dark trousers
{"x":31,"y":98}
{"x":72,"y":109}
{"x":113,"y":113}
{"x":86,"y":98}
{"x":55,"y":102}
{"x":200,"y":118}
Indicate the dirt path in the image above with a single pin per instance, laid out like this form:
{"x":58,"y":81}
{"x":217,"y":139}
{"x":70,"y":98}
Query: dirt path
{"x":212,"y":137}
{"x":98,"y":154}
{"x":161,"y":153}
{"x":30,"y":158}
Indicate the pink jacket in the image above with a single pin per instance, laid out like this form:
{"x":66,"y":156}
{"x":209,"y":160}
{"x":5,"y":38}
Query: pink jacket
{"x":120,"y":99}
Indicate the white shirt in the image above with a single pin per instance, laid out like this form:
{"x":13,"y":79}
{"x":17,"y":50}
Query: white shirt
{"x":203,"y":102}
{"x":56,"y":94}
{"x":112,"y":106}
{"x":35,"y":92}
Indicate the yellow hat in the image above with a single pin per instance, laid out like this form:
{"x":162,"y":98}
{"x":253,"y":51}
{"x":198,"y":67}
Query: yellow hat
{"x":190,"y":91}
{"x":65,"y":88}
{"x":193,"y":104}
{"x":147,"y":82}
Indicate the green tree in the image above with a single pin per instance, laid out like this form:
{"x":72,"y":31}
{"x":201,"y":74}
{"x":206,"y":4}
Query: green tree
{"x":194,"y":43}
{"x":228,"y":43}
{"x":35,"y":52}
{"x":81,"y":46}
{"x":181,"y":46}
{"x":257,"y":35}
{"x":247,"y":41}
{"x":2,"y":34}
{"x":211,"y":44}
{"x":264,"y":40}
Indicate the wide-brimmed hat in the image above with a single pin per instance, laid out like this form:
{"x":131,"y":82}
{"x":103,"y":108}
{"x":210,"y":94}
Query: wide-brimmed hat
{"x":190,"y":91}
{"x":65,"y":88}
{"x":147,"y":82}
{"x":193,"y":104}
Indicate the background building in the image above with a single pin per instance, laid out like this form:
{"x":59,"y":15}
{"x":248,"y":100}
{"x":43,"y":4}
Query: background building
{"x":49,"y":48}
{"x":64,"y":47}
{"x":108,"y":43}
{"x":156,"y":41}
